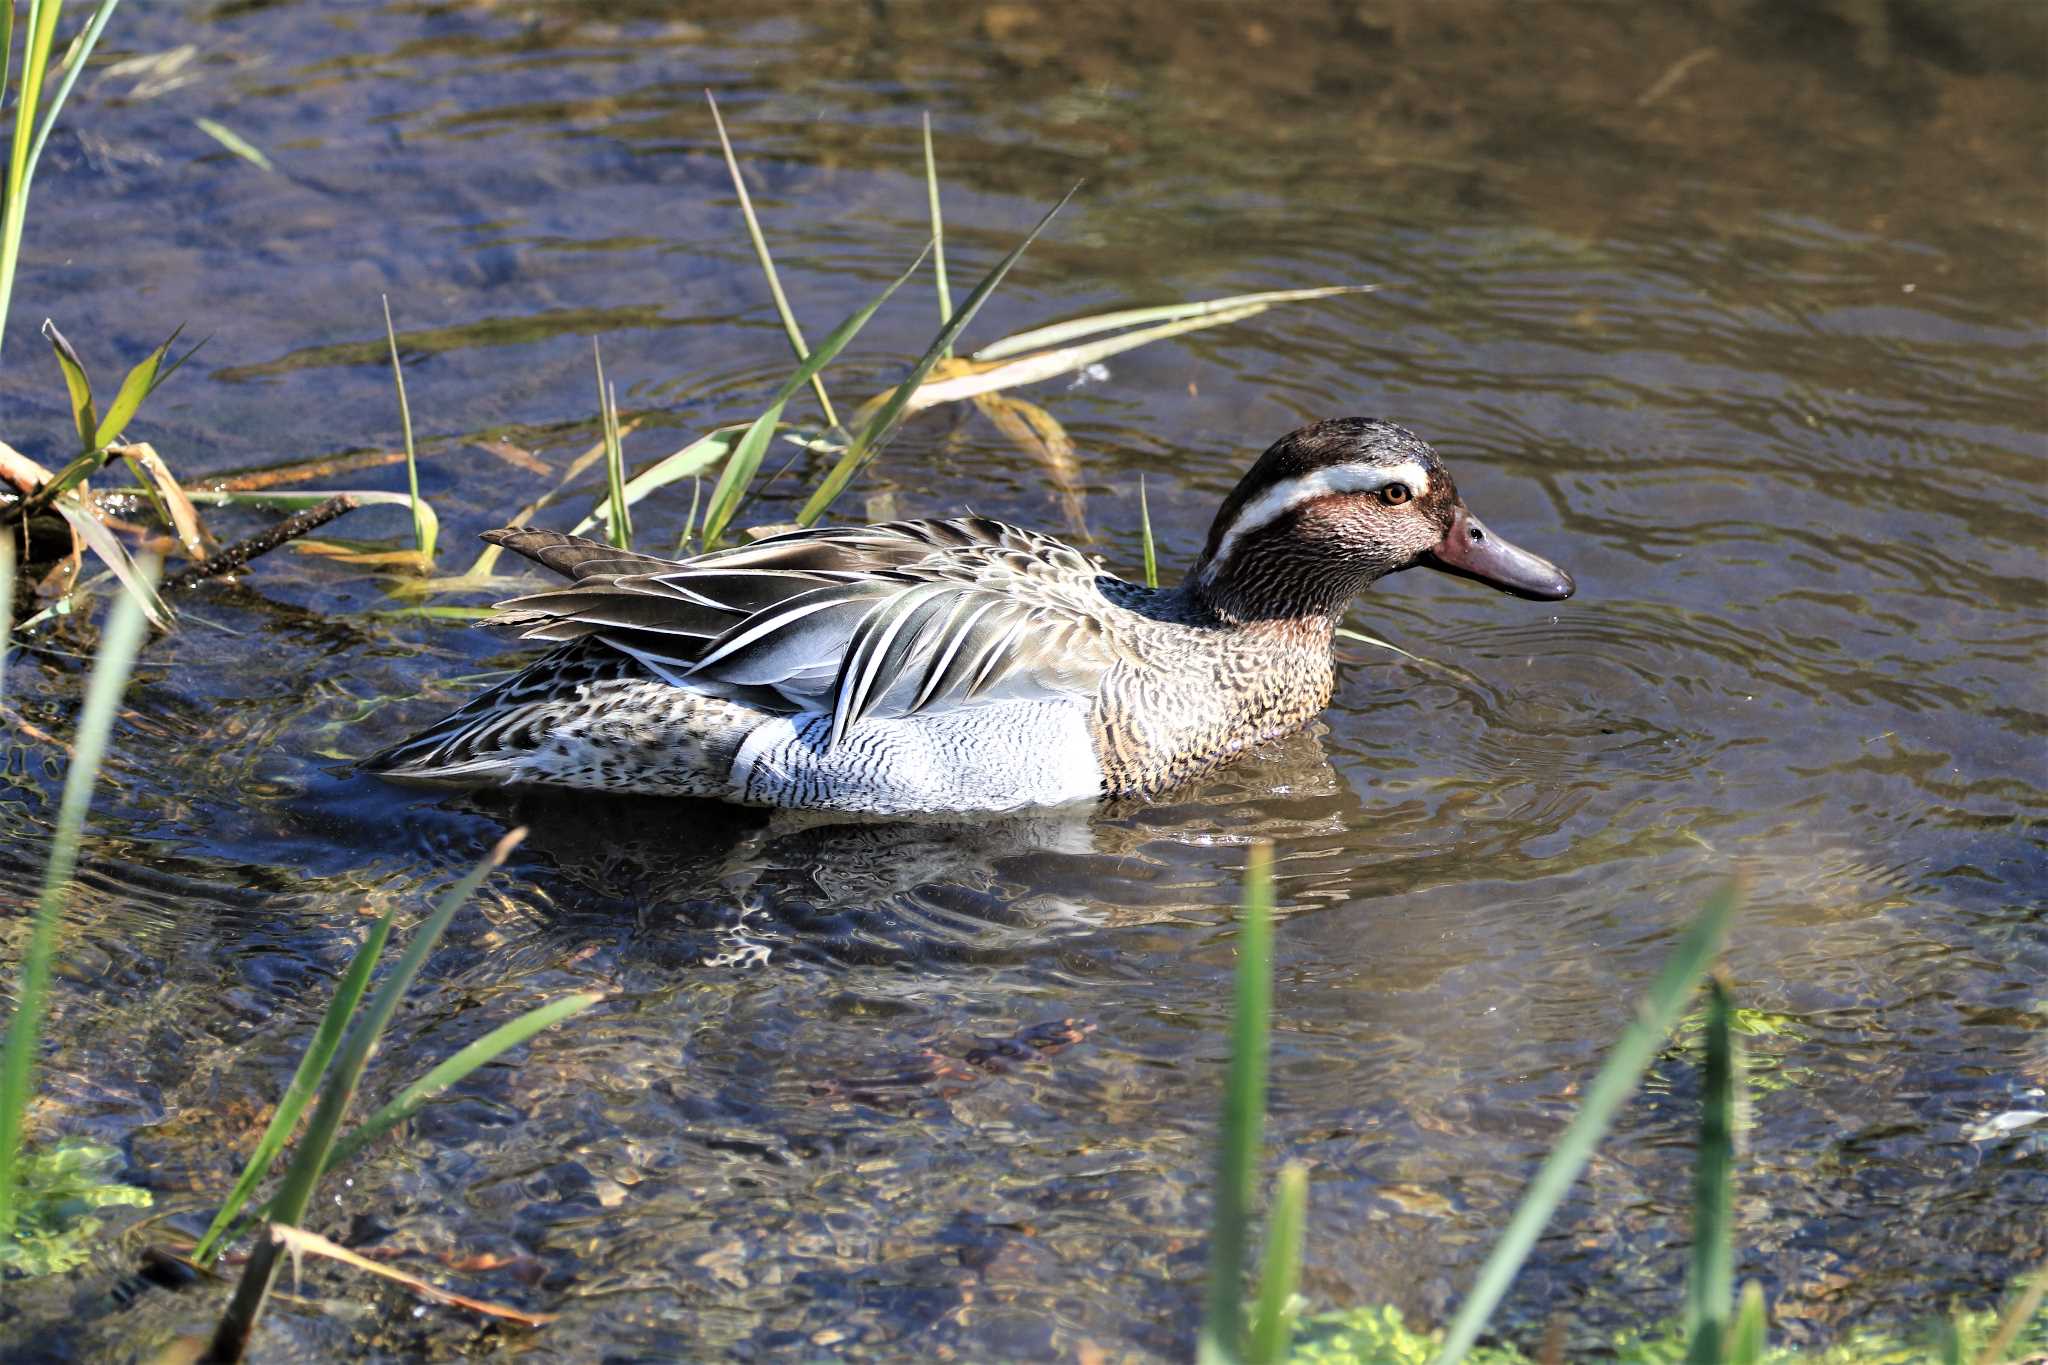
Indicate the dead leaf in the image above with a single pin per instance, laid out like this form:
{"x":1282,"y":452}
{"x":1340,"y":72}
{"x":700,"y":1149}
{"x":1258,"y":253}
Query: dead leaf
{"x":192,"y":536}
{"x":298,"y":1240}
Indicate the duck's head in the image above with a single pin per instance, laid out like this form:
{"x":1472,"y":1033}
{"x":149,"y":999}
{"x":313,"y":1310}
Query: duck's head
{"x":1332,"y":507}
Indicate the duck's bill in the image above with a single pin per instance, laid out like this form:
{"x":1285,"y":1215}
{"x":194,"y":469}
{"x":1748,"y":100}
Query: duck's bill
{"x":1469,"y":550}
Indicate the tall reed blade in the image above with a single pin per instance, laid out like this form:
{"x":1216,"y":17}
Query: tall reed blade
{"x":26,"y":151}
{"x":1244,"y":1109}
{"x":1712,"y":1283}
{"x":789,"y":325}
{"x":112,"y":663}
{"x":745,"y":460}
{"x":423,"y":529}
{"x":882,"y":425}
{"x":6,"y":607}
{"x":1654,"y":1017}
{"x":931,"y":194}
{"x":231,"y":1338}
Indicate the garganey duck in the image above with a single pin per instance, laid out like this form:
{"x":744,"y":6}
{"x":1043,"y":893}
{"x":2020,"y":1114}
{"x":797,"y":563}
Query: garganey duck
{"x":927,"y":666}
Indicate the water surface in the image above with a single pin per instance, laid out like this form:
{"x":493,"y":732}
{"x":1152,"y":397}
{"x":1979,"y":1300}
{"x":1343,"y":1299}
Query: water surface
{"x":1734,"y":310}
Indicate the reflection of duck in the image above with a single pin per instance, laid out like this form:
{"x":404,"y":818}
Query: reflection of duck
{"x":959,"y":665}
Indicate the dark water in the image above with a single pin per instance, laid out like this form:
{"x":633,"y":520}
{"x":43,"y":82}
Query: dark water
{"x":1735,"y":309}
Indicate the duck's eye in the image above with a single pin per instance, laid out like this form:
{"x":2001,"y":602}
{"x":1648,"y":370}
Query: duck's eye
{"x":1394,"y":494}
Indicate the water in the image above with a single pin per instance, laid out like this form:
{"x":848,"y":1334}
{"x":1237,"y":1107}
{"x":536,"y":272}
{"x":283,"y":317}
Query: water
{"x":1734,"y":310}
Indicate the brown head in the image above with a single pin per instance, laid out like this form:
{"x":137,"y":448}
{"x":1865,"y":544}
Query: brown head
{"x":1332,"y":507}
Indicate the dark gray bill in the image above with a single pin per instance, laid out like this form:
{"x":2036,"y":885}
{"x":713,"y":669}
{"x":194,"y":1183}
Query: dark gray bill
{"x":1469,"y":550}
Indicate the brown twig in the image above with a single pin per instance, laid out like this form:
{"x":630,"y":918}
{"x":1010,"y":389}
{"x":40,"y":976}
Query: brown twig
{"x":263,"y":542}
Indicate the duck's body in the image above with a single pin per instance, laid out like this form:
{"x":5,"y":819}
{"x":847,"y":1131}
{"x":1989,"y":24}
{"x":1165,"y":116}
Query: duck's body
{"x":956,"y":665}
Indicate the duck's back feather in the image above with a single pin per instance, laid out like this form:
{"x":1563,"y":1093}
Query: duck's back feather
{"x":872,"y":621}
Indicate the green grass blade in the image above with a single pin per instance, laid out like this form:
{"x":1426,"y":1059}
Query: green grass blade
{"x":486,"y":1049}
{"x":423,"y":530}
{"x":77,"y":384}
{"x":619,"y":520}
{"x":112,"y":663}
{"x":692,"y":459}
{"x":295,"y":1191}
{"x":234,"y":142}
{"x":81,"y":53}
{"x":789,"y":326}
{"x":135,"y":387}
{"x":24,"y":152}
{"x":1272,"y":1330}
{"x":1145,"y":529}
{"x":348,"y":993}
{"x":931,"y":194}
{"x":745,"y":460}
{"x":883,"y":423}
{"x":1655,"y":1014}
{"x":1712,"y":1283}
{"x":1746,"y":1343}
{"x":6,"y":606}
{"x":1244,"y":1110}
{"x":1056,"y":333}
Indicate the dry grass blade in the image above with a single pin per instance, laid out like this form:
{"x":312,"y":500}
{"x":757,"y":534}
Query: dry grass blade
{"x":1054,"y":333}
{"x":150,"y":468}
{"x":789,"y":326}
{"x":298,"y":1241}
{"x":109,"y":548}
{"x":978,"y":376}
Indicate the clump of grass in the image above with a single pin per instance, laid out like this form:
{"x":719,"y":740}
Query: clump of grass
{"x":112,"y":663}
{"x":937,"y":377}
{"x":341,"y":1049}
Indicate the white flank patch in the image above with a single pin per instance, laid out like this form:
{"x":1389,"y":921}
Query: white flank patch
{"x":997,"y":756}
{"x":1291,"y":493}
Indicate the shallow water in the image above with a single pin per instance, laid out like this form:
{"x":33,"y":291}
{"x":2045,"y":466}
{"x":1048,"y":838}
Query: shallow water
{"x":1734,"y":309}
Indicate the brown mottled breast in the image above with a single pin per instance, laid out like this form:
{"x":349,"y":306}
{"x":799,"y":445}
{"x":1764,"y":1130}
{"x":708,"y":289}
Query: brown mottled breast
{"x":1191,"y":698}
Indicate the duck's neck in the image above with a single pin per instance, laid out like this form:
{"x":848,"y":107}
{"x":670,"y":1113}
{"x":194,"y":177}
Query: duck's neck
{"x":1262,"y":586}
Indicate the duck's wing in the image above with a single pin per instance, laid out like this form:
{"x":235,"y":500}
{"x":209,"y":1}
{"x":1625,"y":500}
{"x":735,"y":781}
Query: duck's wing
{"x":860,"y":621}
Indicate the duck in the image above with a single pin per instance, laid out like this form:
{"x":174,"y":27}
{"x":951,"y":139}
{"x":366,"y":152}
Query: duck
{"x":958,"y":665}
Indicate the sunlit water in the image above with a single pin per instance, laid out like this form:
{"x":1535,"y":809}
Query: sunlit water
{"x":1751,"y":341}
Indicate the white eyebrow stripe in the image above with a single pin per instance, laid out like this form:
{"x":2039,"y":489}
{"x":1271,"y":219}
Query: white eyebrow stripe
{"x":1288,"y":493}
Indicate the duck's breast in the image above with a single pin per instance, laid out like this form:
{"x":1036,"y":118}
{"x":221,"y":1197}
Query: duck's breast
{"x":996,"y":756}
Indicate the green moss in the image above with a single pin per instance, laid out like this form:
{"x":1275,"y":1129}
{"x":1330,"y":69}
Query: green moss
{"x":54,"y":1227}
{"x":1379,"y":1336}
